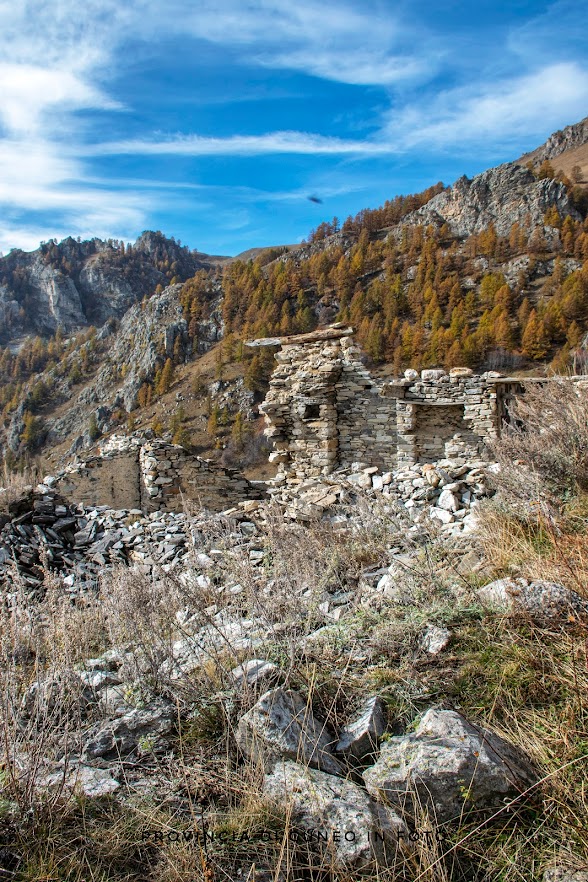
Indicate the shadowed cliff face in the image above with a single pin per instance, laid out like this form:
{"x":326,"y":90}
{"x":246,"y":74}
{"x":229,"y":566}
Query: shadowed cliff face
{"x":75,"y":284}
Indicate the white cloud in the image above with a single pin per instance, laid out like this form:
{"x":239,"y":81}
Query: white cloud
{"x":302,"y":143}
{"x":497,"y":114}
{"x":59,"y":59}
{"x":54,"y":58}
{"x":354,"y":44}
{"x":37,"y":177}
{"x":30,"y":93}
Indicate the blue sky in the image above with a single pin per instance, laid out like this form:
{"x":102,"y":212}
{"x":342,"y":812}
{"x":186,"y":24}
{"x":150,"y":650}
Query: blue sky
{"x":214,"y":122}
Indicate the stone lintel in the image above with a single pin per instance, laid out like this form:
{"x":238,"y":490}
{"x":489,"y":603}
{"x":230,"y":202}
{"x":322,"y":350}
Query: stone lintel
{"x":332,"y":333}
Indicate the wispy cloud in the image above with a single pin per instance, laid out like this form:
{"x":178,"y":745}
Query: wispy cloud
{"x":494,"y":114}
{"x":356,"y":43}
{"x":302,"y":143}
{"x":61,"y":64}
{"x":58,"y":56}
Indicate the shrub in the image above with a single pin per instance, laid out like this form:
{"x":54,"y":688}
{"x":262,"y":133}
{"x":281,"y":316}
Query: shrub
{"x":547,"y":439}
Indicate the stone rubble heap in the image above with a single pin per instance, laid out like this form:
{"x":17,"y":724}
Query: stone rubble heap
{"x":447,"y":492}
{"x":78,"y":543}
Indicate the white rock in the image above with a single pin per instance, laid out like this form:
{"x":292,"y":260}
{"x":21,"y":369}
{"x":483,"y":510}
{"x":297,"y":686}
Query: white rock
{"x":441,"y":515}
{"x":282,"y":724}
{"x":254,"y":672}
{"x":447,"y":500}
{"x":318,"y":801}
{"x":435,"y":639}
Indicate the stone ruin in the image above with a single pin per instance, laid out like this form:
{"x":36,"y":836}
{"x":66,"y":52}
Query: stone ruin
{"x":132,"y":472}
{"x":325,"y":411}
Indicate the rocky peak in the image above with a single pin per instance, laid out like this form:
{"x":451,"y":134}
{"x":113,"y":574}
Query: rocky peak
{"x":501,"y":196}
{"x":73,"y":284}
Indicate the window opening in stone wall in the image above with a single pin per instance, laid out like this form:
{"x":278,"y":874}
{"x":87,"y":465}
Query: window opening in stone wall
{"x":312,"y":412}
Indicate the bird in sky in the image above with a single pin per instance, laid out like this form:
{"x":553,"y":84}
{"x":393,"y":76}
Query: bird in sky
{"x":315,"y":199}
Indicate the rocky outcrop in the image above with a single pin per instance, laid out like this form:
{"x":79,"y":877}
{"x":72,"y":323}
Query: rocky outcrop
{"x":76,"y":284}
{"x":569,"y":138}
{"x":501,"y":196}
{"x":137,"y":345}
{"x":141,"y":729}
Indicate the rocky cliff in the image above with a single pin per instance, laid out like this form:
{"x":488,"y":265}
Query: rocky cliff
{"x":75,"y":284}
{"x":501,"y":196}
{"x":570,"y":138}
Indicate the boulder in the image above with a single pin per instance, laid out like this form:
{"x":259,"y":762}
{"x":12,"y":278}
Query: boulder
{"x":448,"y":500}
{"x":449,"y":766}
{"x":350,"y":829}
{"x":539,"y":598}
{"x":282,"y":724}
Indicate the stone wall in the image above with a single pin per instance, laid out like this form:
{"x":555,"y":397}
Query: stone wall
{"x":324,"y":410}
{"x":112,"y":480}
{"x":170,"y":474}
{"x":131,"y":472}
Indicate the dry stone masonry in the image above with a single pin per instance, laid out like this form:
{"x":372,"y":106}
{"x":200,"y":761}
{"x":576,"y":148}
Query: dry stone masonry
{"x":325,"y":411}
{"x":152,"y":475}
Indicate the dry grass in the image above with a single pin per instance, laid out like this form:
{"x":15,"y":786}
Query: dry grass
{"x":528,"y":683}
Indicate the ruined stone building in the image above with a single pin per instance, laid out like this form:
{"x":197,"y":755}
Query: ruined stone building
{"x":324,"y":409}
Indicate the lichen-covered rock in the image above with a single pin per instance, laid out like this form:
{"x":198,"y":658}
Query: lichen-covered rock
{"x":356,"y":832}
{"x":143,"y":729}
{"x":282,"y":724}
{"x":565,"y":874}
{"x":82,"y":779}
{"x":539,"y":598}
{"x":449,"y":766}
{"x":435,"y":639}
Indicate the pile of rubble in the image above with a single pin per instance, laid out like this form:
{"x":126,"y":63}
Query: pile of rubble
{"x":447,"y":491}
{"x":41,"y":531}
